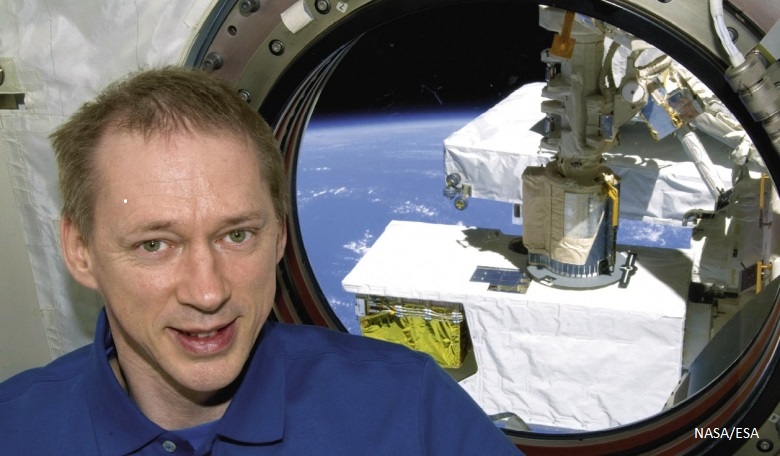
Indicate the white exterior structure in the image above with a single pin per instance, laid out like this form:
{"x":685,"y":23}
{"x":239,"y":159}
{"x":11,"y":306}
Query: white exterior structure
{"x":585,"y":360}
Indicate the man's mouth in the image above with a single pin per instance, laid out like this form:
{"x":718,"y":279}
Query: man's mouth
{"x":210,"y":341}
{"x":201,"y":335}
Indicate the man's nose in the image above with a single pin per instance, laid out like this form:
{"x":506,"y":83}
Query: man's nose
{"x":202,"y":280}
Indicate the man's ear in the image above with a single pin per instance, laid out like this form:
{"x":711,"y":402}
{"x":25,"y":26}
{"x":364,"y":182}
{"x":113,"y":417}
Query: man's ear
{"x":281,"y":240}
{"x":76,"y":254}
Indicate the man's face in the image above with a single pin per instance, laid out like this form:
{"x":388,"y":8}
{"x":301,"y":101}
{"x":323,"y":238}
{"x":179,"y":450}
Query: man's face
{"x":184,"y":251}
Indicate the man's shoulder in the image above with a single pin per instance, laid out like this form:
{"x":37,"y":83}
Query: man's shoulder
{"x":306,"y":341}
{"x":44,"y":410}
{"x":54,"y":378}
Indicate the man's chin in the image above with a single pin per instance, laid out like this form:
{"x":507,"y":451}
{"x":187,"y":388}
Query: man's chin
{"x":211,"y":382}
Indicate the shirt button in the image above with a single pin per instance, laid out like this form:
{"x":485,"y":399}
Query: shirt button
{"x":169,"y":446}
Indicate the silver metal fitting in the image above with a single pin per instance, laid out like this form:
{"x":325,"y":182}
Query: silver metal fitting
{"x":755,"y":89}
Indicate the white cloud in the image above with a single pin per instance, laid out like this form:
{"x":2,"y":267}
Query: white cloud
{"x":361,"y":246}
{"x":336,"y":302}
{"x":408,"y":207}
{"x":304,"y":198}
{"x":650,"y":233}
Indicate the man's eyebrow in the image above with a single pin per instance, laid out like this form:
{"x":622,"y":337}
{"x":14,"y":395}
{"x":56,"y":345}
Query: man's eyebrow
{"x":238,"y":219}
{"x":249,"y":216}
{"x":157,"y":225}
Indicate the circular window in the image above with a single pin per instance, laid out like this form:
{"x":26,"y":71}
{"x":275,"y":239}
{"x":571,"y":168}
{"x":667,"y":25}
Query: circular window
{"x":376,"y":116}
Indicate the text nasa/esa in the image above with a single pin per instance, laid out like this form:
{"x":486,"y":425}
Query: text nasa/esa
{"x":726,"y":433}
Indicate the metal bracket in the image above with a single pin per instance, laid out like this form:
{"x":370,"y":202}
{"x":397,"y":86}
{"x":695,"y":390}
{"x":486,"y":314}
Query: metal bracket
{"x":11,"y":95}
{"x":628,"y":269}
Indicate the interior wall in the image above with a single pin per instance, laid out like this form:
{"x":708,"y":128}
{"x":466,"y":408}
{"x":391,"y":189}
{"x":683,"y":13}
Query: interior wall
{"x":22,"y":336}
{"x":62,"y":54}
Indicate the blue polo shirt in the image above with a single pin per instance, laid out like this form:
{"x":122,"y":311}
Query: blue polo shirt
{"x":306,"y":391}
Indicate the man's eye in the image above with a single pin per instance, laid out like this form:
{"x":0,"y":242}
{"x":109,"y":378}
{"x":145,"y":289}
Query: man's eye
{"x":238,"y":236}
{"x":155,"y":245}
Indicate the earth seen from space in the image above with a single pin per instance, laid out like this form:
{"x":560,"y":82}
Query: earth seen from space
{"x":356,"y":173}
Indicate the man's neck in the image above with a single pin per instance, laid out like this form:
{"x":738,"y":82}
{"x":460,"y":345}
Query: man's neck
{"x":168,"y":407}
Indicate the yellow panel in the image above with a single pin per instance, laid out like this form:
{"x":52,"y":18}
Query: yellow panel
{"x":436,"y":330}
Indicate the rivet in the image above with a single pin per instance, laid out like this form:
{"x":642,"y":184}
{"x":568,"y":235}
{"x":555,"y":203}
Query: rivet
{"x":276,"y":47}
{"x":245,"y":95}
{"x":733,"y":34}
{"x":249,"y":6}
{"x":212,"y":61}
{"x":322,"y":6}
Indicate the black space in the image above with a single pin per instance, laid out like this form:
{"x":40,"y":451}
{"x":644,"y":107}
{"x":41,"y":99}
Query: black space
{"x":461,"y":56}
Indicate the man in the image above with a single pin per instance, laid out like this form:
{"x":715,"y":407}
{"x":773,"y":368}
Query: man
{"x":174,"y":211}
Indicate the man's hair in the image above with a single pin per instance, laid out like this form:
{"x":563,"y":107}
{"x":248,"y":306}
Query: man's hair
{"x":157,"y":103}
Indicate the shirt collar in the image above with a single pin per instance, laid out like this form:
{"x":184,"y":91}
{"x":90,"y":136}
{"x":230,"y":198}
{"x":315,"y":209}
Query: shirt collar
{"x":119,"y":425}
{"x":254,"y":416}
{"x":257,"y":412}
